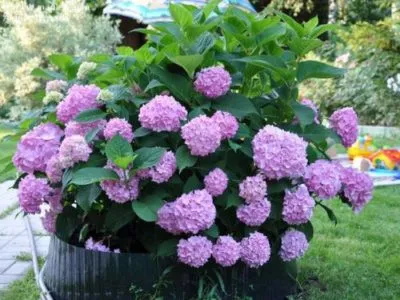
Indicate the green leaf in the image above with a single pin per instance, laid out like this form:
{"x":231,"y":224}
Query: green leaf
{"x":91,"y":135}
{"x":87,"y":176}
{"x":235,"y":147}
{"x":329,"y":212}
{"x":147,"y":157}
{"x":181,"y":15}
{"x":167,"y":248}
{"x":188,"y":62}
{"x":316,"y":32}
{"x":192,"y":183}
{"x":236,"y":104}
{"x":296,"y":27}
{"x":118,"y":216}
{"x":213,"y":231}
{"x":210,"y":7}
{"x":125,"y":51}
{"x":307,"y":229}
{"x":119,"y":151}
{"x":153,"y":84}
{"x":271,"y":33}
{"x":67,"y":222}
{"x":315,"y":69}
{"x":311,"y":24}
{"x":46,"y":74}
{"x":184,"y":159}
{"x":146,"y":208}
{"x":302,"y":46}
{"x":87,"y":195}
{"x":316,"y":133}
{"x":304,"y":114}
{"x":203,"y":43}
{"x":83,"y":233}
{"x":90,"y":115}
{"x":62,"y":61}
{"x":140,"y":132}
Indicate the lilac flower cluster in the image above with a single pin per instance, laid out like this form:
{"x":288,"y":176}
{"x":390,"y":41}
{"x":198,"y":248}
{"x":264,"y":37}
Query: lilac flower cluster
{"x":255,"y":213}
{"x":49,"y":221}
{"x":213,"y":82}
{"x":323,"y":178}
{"x":76,"y":128}
{"x":74,"y":149}
{"x":279,"y":153}
{"x":345,"y":122}
{"x":227,"y":123}
{"x":162,"y":113}
{"x":195,"y":251}
{"x":297,"y":206}
{"x":293,"y":245}
{"x":190,"y":213}
{"x":32,"y":192}
{"x":36,"y":146}
{"x":216,"y":182}
{"x":54,"y":169}
{"x":119,"y":126}
{"x":255,"y":250}
{"x":226,"y":251}
{"x":253,"y":188}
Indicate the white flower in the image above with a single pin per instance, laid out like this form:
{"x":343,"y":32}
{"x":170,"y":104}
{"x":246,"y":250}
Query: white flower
{"x":52,"y":96}
{"x":104,"y":96}
{"x":84,"y":69}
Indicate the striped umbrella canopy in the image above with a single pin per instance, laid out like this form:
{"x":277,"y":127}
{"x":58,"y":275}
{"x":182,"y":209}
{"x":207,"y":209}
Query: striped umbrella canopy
{"x":151,"y":11}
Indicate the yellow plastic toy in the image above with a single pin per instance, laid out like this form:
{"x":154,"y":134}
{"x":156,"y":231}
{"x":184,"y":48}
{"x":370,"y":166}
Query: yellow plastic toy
{"x":388,"y":159}
{"x":362,"y":148}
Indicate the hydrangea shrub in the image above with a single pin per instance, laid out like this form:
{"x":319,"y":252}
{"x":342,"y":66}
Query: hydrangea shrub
{"x":194,"y":146}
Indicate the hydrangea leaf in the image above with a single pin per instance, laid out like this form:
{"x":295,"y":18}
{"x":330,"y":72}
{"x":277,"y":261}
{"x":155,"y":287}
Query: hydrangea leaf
{"x":87,"y":176}
{"x":87,"y":195}
{"x":118,"y":216}
{"x":90,"y":115}
{"x":184,"y":159}
{"x":147,"y":157}
{"x":236,"y":104}
{"x":120,"y":152}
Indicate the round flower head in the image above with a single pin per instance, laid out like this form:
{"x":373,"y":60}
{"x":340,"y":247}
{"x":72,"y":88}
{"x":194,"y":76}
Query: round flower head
{"x":195,"y":251}
{"x":216,"y":182}
{"x":118,"y":126}
{"x":36,"y":147}
{"x":297,"y":206}
{"x":323,"y":178}
{"x":357,"y":188}
{"x":122,"y":190}
{"x":190,"y":213}
{"x":105,"y":96}
{"x":56,"y":86}
{"x":279,"y":153}
{"x":85,"y":69}
{"x":164,"y":169}
{"x":52,"y":96}
{"x":76,"y":128}
{"x":228,"y":125}
{"x":213,"y":82}
{"x":345,"y":122}
{"x":54,"y":169}
{"x":31,"y":193}
{"x":74,"y":149}
{"x":255,"y":250}
{"x":91,"y":244}
{"x":55,"y":200}
{"x":253,"y":188}
{"x":226,"y":251}
{"x":202,"y":136}
{"x":49,"y":221}
{"x":294,"y":244}
{"x":162,"y":113}
{"x":79,"y":98}
{"x":255,"y":213}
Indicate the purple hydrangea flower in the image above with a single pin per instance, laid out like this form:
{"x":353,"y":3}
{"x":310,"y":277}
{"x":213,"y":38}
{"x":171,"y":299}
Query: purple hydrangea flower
{"x":75,"y":128}
{"x":323,"y":178}
{"x":216,"y":182}
{"x":118,"y":126}
{"x":55,"y":200}
{"x":253,"y":188}
{"x":226,"y":251}
{"x":74,"y":149}
{"x":36,"y":147}
{"x":297,"y":206}
{"x":255,"y":250}
{"x":54,"y":169}
{"x":357,"y":188}
{"x":227,"y":123}
{"x":213,"y":82}
{"x":190,"y":213}
{"x":279,"y":153}
{"x":345,"y":122}
{"x":79,"y":98}
{"x":195,"y":251}
{"x":32,"y":192}
{"x":162,"y":113}
{"x":294,"y":245}
{"x":49,"y":221}
{"x":56,"y":86}
{"x":164,"y":169}
{"x":202,"y":136}
{"x":255,"y":213}
{"x":92,"y":245}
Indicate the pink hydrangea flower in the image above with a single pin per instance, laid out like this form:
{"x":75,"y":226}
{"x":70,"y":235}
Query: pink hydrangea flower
{"x":92,"y":245}
{"x":216,"y":182}
{"x":213,"y":82}
{"x":279,"y":153}
{"x":226,"y":251}
{"x":79,"y":98}
{"x":162,"y":113}
{"x":36,"y":147}
{"x":294,"y":244}
{"x":74,"y":149}
{"x":345,"y":122}
{"x":55,"y":200}
{"x":164,"y":169}
{"x":54,"y":169}
{"x":357,"y":188}
{"x":202,"y":136}
{"x":227,"y":123}
{"x":32,"y":192}
{"x":195,"y":251}
{"x":255,"y":250}
{"x":56,"y":86}
{"x":190,"y":213}
{"x":323,"y":178}
{"x":297,"y":206}
{"x":253,"y":188}
{"x":75,"y":128}
{"x":255,"y":213}
{"x":49,"y":221}
{"x":118,"y":126}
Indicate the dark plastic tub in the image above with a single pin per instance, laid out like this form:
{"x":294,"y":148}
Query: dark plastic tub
{"x":73,"y":273}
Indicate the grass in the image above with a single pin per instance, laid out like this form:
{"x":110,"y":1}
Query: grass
{"x":8,"y":211}
{"x":24,"y":256}
{"x":360,"y":257}
{"x":22,"y":289}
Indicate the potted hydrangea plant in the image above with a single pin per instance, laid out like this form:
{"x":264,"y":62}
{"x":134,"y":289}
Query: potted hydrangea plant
{"x":190,"y":158}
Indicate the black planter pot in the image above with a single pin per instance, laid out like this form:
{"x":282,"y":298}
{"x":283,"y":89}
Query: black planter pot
{"x":73,"y":273}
